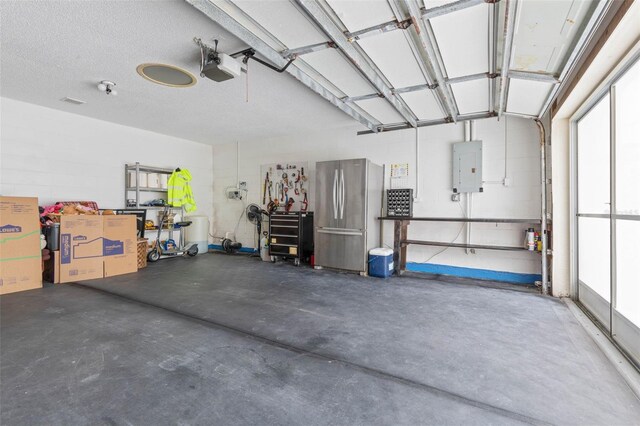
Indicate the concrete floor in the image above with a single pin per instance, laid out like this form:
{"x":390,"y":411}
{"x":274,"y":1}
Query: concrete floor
{"x":230,"y":340}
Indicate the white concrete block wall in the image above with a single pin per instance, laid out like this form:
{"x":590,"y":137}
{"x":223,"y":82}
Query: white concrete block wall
{"x":55,"y":155}
{"x":520,"y":200}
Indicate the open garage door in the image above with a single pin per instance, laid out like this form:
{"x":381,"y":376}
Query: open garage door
{"x":607,"y":148}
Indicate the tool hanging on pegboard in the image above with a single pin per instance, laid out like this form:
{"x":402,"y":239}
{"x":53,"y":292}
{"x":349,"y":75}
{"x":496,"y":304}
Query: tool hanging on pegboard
{"x":285,"y":187}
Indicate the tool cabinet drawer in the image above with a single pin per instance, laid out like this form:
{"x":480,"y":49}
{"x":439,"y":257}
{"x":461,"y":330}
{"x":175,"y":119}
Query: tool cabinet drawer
{"x":283,"y":239}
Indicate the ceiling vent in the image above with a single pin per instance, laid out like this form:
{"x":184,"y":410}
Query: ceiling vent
{"x":166,"y":75}
{"x":73,"y":101}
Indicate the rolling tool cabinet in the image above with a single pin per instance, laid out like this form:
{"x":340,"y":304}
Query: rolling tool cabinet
{"x":291,"y":236}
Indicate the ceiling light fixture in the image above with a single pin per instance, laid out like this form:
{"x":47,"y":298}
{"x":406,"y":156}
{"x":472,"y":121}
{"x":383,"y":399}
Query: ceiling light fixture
{"x":107,"y":87}
{"x":166,"y":75}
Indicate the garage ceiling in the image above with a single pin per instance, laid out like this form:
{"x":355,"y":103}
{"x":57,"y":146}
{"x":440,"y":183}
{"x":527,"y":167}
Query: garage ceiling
{"x":394,"y":64}
{"x":56,"y":48}
{"x":388,"y":64}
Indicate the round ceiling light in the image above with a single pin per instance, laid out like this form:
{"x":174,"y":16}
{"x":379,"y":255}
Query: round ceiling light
{"x":167,"y":75}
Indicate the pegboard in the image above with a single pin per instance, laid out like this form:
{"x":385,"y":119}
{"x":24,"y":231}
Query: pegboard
{"x":281,"y":182}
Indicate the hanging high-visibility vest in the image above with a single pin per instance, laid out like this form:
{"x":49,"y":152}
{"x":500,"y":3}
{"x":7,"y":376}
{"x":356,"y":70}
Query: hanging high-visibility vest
{"x":179,"y":194}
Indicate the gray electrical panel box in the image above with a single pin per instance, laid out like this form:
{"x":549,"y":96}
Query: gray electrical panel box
{"x":467,"y":166}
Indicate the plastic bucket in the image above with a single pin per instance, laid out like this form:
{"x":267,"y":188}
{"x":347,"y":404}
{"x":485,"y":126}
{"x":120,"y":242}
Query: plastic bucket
{"x":52,"y":235}
{"x":198,"y":232}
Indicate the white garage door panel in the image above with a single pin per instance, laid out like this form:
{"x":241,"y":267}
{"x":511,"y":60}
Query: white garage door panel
{"x":381,"y":110}
{"x":545,"y":32}
{"x":361,"y":14}
{"x":334,"y":67}
{"x":393,"y":56}
{"x":283,"y":21}
{"x":464,"y":52}
{"x":527,"y":97}
{"x":423,"y":104}
{"x":472,"y":96}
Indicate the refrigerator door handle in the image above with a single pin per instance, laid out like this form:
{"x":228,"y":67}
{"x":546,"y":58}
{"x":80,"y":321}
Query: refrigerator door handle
{"x":341,"y":193}
{"x":335,"y":195}
{"x":335,"y":231}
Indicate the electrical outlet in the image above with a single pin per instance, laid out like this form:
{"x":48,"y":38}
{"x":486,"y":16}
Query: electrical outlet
{"x":455,"y":197}
{"x":234,"y":194}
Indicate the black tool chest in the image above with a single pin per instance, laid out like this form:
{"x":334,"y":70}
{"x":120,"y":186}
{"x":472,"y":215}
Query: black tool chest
{"x":291,"y":236}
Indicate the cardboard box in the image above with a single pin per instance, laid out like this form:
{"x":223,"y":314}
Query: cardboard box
{"x":20,"y":252}
{"x":81,"y":248}
{"x":120,"y":245}
{"x":95,"y":247}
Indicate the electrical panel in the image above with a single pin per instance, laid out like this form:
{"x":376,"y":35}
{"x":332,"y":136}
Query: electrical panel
{"x":467,"y":167}
{"x":399,"y":202}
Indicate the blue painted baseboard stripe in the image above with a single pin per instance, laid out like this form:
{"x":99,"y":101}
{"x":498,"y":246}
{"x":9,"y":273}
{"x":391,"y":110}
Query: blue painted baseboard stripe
{"x":456,"y":271}
{"x":481,"y":274}
{"x":242,"y":249}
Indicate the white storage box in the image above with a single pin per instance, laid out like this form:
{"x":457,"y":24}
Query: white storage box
{"x":143,"y":180}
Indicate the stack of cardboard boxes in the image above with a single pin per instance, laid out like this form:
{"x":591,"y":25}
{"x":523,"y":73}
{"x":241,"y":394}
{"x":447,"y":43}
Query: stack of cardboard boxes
{"x":20,"y":250}
{"x":91,"y":246}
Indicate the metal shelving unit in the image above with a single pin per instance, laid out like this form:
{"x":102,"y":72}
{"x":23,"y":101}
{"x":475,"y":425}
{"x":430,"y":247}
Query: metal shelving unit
{"x":136,"y":169}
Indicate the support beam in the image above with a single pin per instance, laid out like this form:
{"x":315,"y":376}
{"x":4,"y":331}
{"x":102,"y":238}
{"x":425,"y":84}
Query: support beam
{"x":519,"y":115}
{"x":415,"y":88}
{"x":433,"y":58}
{"x":218,"y":15}
{"x":378,"y":29}
{"x":362,"y":97}
{"x":494,"y":19}
{"x":426,"y":123}
{"x":400,"y":12}
{"x":471,"y":77}
{"x":543,"y":208}
{"x":533,"y":76}
{"x":315,"y":12}
{"x":509,"y":30}
{"x":450,"y":8}
{"x":288,"y":53}
{"x":419,"y":87}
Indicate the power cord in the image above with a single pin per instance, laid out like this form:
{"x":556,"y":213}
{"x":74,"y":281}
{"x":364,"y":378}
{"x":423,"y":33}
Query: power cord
{"x":452,"y":241}
{"x":242,"y":213}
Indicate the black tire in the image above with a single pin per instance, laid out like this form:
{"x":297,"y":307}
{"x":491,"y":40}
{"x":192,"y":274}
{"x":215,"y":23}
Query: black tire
{"x":153,"y":256}
{"x":193,"y":251}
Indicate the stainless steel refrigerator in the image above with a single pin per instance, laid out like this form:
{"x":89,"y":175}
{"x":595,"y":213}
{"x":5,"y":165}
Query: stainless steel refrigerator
{"x":348,"y":202}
